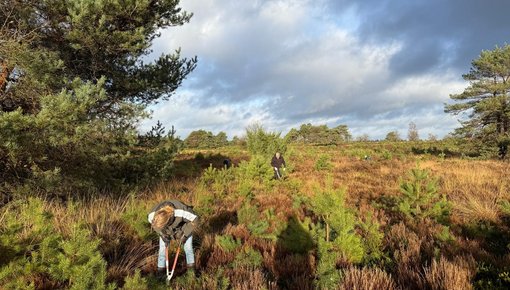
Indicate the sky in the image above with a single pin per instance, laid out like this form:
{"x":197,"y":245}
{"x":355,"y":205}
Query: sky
{"x":373,"y":65}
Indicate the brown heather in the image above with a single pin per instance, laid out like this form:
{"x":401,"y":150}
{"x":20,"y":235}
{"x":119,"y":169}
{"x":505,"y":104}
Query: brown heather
{"x":475,"y":189}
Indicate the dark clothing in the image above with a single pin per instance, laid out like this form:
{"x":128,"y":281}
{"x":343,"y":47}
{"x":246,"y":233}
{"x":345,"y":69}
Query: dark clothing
{"x":181,"y":225}
{"x":278,"y":162}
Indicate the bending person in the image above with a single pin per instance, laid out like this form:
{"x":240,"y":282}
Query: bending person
{"x":173,"y":219}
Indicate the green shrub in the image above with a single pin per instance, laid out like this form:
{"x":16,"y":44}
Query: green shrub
{"x":420,"y":198}
{"x":135,"y":215}
{"x":227,"y":243}
{"x":504,"y":205}
{"x":36,"y":249}
{"x":323,"y":163}
{"x":26,"y":228}
{"x":264,"y":225}
{"x":135,"y":282}
{"x":386,"y":155}
{"x":263,"y":143}
{"x":257,"y":169}
{"x":248,"y":257}
{"x":249,"y":215}
{"x":245,"y":189}
{"x":218,"y":180}
{"x":372,"y":241}
{"x":337,"y":239}
{"x":204,"y":201}
{"x":79,"y":261}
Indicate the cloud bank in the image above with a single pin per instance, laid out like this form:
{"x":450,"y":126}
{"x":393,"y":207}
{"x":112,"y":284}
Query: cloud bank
{"x":374,"y":66}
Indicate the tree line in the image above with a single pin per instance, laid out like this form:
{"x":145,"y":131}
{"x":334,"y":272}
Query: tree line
{"x":306,"y":134}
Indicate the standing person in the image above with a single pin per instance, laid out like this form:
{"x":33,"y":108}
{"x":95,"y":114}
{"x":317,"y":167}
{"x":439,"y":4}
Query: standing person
{"x":277,"y":162}
{"x":173,"y":219}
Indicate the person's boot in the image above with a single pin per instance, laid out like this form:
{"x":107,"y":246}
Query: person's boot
{"x":190,"y":269}
{"x":161,"y":274}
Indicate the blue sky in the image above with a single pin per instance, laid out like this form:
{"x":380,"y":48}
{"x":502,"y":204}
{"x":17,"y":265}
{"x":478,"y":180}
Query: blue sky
{"x":373,"y":65}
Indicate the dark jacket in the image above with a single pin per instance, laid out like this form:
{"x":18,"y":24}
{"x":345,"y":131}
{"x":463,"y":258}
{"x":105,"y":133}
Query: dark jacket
{"x":181,"y":225}
{"x":278,"y":162}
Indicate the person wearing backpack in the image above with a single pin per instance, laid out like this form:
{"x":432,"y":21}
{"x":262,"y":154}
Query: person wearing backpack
{"x":174,"y":220}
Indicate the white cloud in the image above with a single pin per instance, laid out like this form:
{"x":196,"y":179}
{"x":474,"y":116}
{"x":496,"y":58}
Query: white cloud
{"x":287,"y":62}
{"x":183,"y":112}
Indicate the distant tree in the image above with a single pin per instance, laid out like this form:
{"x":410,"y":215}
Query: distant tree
{"x":201,"y":139}
{"x":294,"y":136}
{"x":432,"y":137}
{"x":319,"y":135}
{"x":263,"y":143}
{"x":393,"y":136}
{"x":412,"y":133}
{"x":239,"y":141}
{"x":221,"y":139}
{"x":486,"y":101}
{"x":363,"y":138}
{"x":341,"y":133}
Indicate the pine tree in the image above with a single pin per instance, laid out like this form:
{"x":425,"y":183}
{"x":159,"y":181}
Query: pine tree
{"x":420,"y":198}
{"x":486,"y":101}
{"x":73,"y":88}
{"x":337,"y":240}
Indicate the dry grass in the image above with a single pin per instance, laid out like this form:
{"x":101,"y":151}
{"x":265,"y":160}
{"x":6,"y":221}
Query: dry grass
{"x":367,"y":279}
{"x":451,"y":275}
{"x":474,"y":187}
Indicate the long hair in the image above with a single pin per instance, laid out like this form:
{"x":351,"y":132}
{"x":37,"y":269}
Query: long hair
{"x":161,"y":217}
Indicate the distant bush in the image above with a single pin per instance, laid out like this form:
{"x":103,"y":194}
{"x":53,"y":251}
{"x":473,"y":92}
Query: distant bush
{"x":319,"y":135}
{"x":393,"y":136}
{"x":202,"y":139}
{"x":323,"y":163}
{"x":263,"y":143}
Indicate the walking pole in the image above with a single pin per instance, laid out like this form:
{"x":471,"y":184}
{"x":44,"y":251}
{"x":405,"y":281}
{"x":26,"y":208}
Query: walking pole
{"x":169,"y":276}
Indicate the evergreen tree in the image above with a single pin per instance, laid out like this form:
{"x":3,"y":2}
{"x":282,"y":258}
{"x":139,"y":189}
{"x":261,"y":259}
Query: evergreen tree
{"x":73,"y":88}
{"x":263,"y":143}
{"x":486,"y":101}
{"x":52,"y":41}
